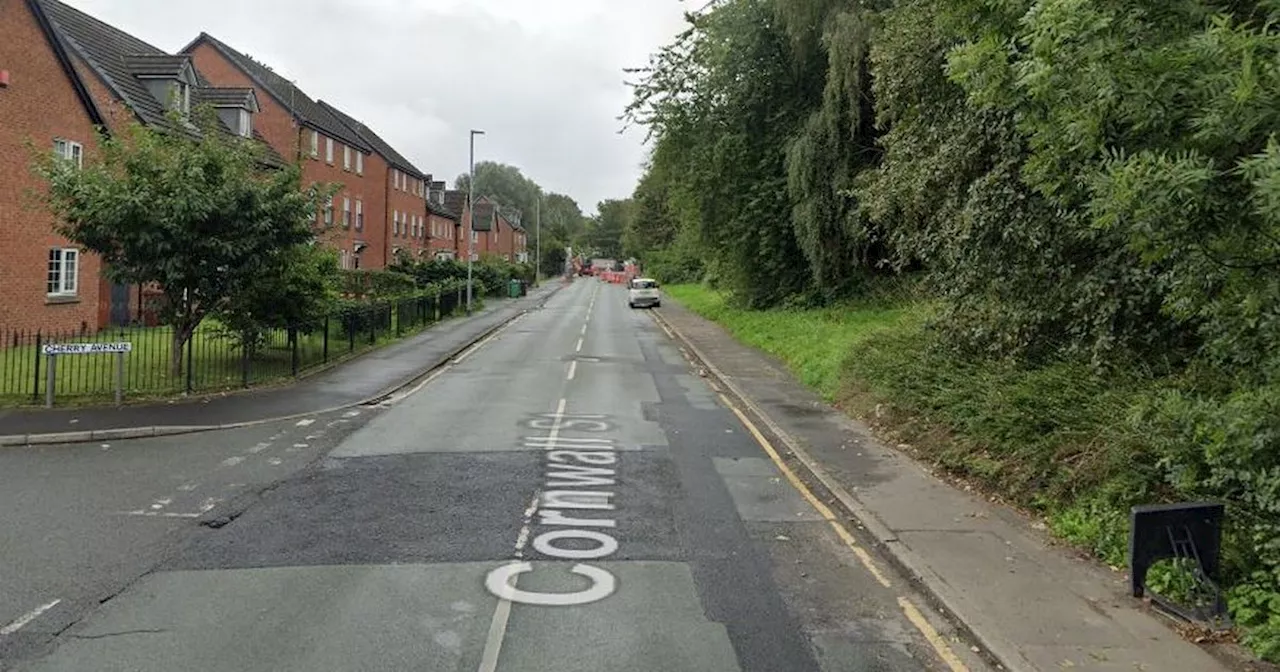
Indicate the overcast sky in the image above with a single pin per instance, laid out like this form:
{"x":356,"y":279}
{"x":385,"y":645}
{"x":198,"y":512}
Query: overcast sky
{"x":542,"y":77}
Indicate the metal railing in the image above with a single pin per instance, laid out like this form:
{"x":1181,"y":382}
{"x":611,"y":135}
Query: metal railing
{"x":213,"y":359}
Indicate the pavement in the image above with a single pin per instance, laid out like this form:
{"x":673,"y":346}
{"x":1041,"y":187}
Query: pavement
{"x":569,"y":495}
{"x":354,"y":382}
{"x":1029,"y":604}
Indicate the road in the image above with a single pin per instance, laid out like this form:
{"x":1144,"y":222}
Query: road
{"x":569,"y":495}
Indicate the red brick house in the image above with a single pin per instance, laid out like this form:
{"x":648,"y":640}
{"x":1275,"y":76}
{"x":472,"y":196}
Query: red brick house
{"x":67,"y":75}
{"x":357,"y":222}
{"x":444,"y":225}
{"x":456,"y":201}
{"x":406,"y":217}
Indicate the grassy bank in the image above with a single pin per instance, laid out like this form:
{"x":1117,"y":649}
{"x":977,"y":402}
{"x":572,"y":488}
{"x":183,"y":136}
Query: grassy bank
{"x":1060,"y":440}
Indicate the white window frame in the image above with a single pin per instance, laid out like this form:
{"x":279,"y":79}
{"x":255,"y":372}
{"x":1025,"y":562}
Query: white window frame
{"x":359,"y":163}
{"x":359,"y":215}
{"x":246,"y":123}
{"x":346,"y":157}
{"x":69,"y":150}
{"x":328,"y":212}
{"x":315,"y":144}
{"x":63,"y":272}
{"x":346,"y":211}
{"x":395,"y":222}
{"x":328,"y":150}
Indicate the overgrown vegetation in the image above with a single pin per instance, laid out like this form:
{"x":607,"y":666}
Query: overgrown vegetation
{"x":1090,"y":192}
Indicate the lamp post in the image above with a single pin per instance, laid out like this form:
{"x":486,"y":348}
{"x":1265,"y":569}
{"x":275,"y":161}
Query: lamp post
{"x":471,"y":208}
{"x":537,"y":242}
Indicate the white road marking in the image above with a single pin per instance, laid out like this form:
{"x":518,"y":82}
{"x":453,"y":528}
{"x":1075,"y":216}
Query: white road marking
{"x":232,"y":461}
{"x":159,"y":514}
{"x":472,"y":350}
{"x":275,"y":461}
{"x":523,"y":538}
{"x":502,"y":614}
{"x":351,"y":414}
{"x":307,"y":422}
{"x":259,"y":448}
{"x":26,"y":618}
{"x":584,"y":330}
{"x":301,"y":445}
{"x":187,"y":487}
{"x":579,"y":348}
{"x":573,"y":369}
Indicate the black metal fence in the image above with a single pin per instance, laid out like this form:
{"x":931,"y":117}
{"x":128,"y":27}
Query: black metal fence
{"x":214,"y":358}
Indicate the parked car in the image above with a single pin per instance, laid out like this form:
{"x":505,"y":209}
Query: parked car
{"x":644,"y":292}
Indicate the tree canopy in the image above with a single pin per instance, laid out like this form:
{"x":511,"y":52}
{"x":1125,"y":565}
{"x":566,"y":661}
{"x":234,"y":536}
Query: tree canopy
{"x":1071,"y":179}
{"x":198,"y":215}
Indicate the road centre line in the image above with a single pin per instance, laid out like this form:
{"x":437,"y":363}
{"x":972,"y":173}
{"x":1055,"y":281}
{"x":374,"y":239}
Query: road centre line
{"x":579,"y":348}
{"x":26,"y":618}
{"x":502,"y":614}
{"x":573,"y":369}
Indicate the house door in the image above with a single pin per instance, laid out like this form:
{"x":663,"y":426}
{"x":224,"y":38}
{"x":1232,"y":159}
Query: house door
{"x":119,"y":305}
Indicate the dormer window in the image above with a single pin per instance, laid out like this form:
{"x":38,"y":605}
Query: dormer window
{"x":168,"y":78}
{"x":235,"y":107}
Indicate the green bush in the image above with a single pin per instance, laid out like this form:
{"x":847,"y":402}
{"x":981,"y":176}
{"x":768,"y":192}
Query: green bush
{"x":377,"y":284}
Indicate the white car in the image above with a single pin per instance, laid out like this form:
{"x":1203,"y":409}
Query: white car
{"x":644,"y":292}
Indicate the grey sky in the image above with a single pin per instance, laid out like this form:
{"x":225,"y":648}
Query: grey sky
{"x":544,"y":78}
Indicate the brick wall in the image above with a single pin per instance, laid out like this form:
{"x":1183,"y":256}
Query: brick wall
{"x":274,"y":122}
{"x":402,"y":199}
{"x":38,"y":105}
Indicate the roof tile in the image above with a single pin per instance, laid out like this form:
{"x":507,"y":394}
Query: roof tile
{"x":289,"y":96}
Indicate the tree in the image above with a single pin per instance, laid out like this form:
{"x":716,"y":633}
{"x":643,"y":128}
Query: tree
{"x":604,"y":232}
{"x":721,"y":103}
{"x":298,"y":288}
{"x":194,"y":213}
{"x":517,"y":195}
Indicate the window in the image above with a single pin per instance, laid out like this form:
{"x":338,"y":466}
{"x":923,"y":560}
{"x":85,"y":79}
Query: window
{"x":64,"y":267}
{"x":475,"y":238}
{"x":395,"y":177}
{"x":315,"y":144}
{"x":346,"y":157}
{"x":346,"y":211}
{"x":246,"y":124}
{"x":328,"y":212}
{"x":70,"y":151}
{"x":184,"y":98}
{"x":359,"y":163}
{"x":359,"y":215}
{"x":395,"y":222}
{"x":328,"y":150}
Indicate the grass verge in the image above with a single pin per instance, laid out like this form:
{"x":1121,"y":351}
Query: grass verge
{"x":1060,"y":440}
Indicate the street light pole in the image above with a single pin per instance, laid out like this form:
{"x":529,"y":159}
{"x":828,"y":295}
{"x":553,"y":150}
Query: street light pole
{"x":537,"y":254}
{"x":471,"y":208}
